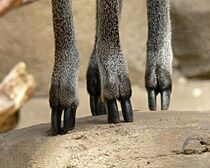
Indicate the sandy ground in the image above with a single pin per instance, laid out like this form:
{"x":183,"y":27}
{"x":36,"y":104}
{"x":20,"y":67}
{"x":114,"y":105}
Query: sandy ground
{"x":154,"y":140}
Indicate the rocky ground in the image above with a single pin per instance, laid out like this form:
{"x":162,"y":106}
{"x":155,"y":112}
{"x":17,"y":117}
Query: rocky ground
{"x":155,"y":140}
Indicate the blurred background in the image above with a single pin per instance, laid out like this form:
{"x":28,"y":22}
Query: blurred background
{"x":26,"y":34}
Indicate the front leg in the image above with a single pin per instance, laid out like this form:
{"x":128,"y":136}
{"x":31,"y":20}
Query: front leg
{"x":159,"y":54}
{"x":115,"y":84}
{"x":63,"y":91}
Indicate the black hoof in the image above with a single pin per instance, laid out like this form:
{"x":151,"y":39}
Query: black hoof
{"x":127,"y":110}
{"x":152,"y":100}
{"x":97,"y":107}
{"x":165,"y":99}
{"x":56,"y":120}
{"x":113,"y":114}
{"x":69,"y":120}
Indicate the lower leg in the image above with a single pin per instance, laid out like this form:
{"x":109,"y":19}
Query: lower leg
{"x":115,"y":84}
{"x":63,"y":91}
{"x":159,"y":53}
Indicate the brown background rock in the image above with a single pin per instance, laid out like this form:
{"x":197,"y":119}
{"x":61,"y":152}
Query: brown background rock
{"x":191,"y":36}
{"x":26,"y":35}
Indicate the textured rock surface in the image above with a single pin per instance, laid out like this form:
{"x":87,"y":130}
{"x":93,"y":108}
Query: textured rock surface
{"x":154,"y":140}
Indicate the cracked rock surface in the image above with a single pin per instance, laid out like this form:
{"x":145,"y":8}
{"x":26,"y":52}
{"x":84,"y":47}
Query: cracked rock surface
{"x":167,"y":139}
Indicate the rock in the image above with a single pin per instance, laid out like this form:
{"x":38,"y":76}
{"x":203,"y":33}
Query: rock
{"x":26,"y":35}
{"x":191,"y":36}
{"x":150,"y":141}
{"x":193,"y":146}
{"x":15,"y":90}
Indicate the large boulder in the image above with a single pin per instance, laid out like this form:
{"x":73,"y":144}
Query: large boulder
{"x":168,"y":139}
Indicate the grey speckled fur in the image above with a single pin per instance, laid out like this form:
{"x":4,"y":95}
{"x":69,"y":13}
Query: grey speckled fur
{"x":93,"y":62}
{"x":159,"y":50}
{"x":107,"y":54}
{"x":63,"y":90}
{"x":112,"y":64}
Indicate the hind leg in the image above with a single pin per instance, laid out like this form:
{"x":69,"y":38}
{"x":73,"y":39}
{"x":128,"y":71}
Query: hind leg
{"x":159,"y":54}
